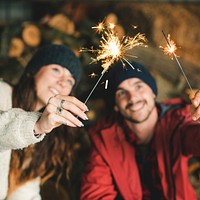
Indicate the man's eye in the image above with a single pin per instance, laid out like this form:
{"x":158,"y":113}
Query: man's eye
{"x":121,"y":93}
{"x":138,"y":86}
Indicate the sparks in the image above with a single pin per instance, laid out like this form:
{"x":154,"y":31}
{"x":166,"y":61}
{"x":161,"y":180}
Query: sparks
{"x":99,"y":27}
{"x":112,"y":48}
{"x":135,"y":26}
{"x":170,"y":50}
{"x":171,"y":47}
{"x":93,"y":75}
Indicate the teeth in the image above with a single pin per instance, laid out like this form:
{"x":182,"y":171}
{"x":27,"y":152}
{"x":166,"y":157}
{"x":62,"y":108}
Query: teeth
{"x":53,"y":90}
{"x":137,"y":106}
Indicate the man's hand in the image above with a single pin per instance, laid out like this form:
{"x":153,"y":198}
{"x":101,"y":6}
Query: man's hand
{"x":196,"y":106}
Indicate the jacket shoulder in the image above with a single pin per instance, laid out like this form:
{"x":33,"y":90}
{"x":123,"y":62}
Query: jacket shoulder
{"x":174,"y":101}
{"x":103,"y":123}
{"x":176,"y":109}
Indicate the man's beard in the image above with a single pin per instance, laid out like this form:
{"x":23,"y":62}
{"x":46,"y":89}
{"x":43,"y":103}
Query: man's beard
{"x":133,"y":120}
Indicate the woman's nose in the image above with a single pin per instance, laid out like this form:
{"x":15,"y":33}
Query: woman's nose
{"x":62,"y":82}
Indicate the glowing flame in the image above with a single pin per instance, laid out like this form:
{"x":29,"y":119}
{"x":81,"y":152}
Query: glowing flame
{"x":171,"y":47}
{"x":170,"y":50}
{"x":112,"y":48}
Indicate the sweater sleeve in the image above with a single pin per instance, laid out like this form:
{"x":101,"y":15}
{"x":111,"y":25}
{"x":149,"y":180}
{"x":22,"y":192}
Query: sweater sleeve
{"x":16,"y":129}
{"x":28,"y":191}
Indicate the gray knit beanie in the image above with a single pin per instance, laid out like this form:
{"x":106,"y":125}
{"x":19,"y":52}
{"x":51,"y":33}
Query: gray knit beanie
{"x":118,"y":74}
{"x":55,"y":54}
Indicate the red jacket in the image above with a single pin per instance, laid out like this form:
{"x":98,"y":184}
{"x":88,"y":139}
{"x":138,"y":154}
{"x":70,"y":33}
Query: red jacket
{"x":112,"y":168}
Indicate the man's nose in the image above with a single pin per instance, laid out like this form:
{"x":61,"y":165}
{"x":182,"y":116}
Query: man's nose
{"x":132,"y":95}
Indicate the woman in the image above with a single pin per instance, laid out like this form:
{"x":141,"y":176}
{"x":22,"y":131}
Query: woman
{"x":49,"y":79}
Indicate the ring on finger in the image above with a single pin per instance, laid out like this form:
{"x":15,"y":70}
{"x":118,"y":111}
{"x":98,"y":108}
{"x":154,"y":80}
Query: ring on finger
{"x":62,"y":103}
{"x":59,"y":111}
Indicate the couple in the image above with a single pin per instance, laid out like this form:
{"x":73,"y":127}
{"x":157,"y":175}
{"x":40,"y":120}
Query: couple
{"x":140,"y":151}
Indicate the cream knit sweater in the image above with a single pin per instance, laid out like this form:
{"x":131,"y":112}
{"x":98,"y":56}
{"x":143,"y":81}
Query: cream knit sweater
{"x":16,"y":131}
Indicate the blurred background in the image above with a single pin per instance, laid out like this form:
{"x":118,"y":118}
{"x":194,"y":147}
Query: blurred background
{"x":26,"y":25}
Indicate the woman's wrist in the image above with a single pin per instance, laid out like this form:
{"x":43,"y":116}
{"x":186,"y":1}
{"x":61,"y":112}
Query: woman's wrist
{"x":37,"y":135}
{"x":37,"y":130}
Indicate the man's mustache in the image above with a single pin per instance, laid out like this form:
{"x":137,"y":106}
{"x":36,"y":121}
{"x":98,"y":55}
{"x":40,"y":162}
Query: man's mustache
{"x":130,"y":104}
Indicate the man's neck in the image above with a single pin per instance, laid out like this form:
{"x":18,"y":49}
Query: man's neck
{"x":144,"y":131}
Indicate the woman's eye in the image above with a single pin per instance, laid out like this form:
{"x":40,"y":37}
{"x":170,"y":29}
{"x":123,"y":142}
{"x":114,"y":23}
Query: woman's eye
{"x":70,"y":82}
{"x":58,"y":71}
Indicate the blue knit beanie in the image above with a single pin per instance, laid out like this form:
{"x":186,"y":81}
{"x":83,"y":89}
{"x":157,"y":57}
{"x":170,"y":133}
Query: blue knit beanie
{"x":118,"y":74}
{"x":55,"y":54}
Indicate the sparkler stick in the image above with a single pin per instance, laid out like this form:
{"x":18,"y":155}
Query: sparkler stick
{"x":113,"y":49}
{"x":94,"y":88}
{"x":170,"y":49}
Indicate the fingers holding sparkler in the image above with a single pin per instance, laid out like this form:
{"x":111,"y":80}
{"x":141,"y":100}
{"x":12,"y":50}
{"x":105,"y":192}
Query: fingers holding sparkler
{"x":196,"y":106}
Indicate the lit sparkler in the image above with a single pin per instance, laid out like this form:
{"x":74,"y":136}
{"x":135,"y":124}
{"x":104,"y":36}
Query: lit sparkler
{"x":170,"y":50}
{"x":113,"y":49}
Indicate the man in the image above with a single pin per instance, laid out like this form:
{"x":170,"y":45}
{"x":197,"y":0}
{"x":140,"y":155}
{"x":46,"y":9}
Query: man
{"x":141,"y":151}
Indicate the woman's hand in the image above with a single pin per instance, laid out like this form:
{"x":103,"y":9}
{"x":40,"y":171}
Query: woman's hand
{"x":61,"y":110}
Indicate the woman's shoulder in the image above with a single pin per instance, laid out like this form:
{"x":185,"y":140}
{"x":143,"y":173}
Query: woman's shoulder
{"x":6,"y":95}
{"x":5,"y":86}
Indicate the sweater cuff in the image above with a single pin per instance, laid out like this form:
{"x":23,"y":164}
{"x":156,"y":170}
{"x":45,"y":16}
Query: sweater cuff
{"x":27,"y":129}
